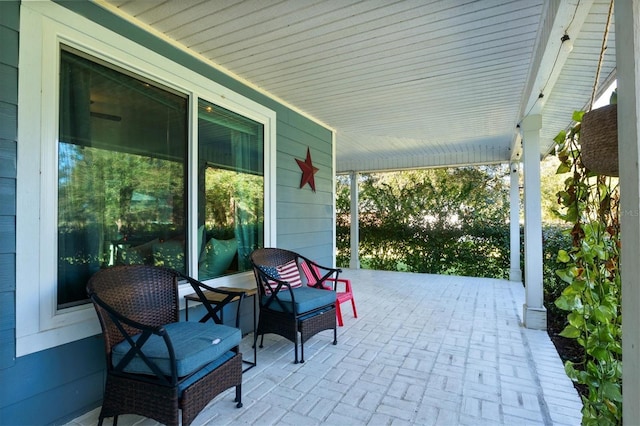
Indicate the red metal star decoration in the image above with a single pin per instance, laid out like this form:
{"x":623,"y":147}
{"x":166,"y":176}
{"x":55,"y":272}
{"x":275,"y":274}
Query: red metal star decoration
{"x":307,"y":172}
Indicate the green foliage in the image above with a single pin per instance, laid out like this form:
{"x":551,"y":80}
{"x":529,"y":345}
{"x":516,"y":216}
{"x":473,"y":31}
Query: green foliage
{"x":590,"y":271}
{"x":444,"y":221}
{"x":556,"y":239}
{"x":98,"y":186}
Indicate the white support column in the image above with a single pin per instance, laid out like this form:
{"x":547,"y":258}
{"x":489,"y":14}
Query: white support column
{"x":515,"y":273}
{"x":354,"y":263}
{"x":535,"y":314}
{"x":627,"y":30}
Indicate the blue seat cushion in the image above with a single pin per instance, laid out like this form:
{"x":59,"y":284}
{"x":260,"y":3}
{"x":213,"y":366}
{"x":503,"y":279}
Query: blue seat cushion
{"x":204,"y":371}
{"x":195,"y":345}
{"x":306,"y":299}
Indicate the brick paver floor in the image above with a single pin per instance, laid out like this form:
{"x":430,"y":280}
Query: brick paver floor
{"x":425,"y":350}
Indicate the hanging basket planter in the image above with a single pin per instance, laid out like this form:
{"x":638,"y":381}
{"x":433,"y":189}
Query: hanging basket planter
{"x":599,"y":140}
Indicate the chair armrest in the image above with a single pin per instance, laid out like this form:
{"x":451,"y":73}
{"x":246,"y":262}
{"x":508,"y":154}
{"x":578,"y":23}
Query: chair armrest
{"x":326,"y":273}
{"x":323,"y":268}
{"x":335,"y":281}
{"x":213,"y":309}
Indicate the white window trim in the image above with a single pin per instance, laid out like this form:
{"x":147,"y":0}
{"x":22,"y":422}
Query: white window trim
{"x":39,"y":325}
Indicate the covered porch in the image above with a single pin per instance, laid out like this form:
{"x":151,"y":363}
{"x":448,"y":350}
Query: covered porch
{"x":425,"y":349}
{"x":392,"y":86}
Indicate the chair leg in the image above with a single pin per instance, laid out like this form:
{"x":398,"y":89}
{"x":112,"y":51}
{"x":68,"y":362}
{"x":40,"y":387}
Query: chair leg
{"x":261,"y":340}
{"x":353,"y":304}
{"x":115,"y":421}
{"x":295,"y":349}
{"x":239,"y":396}
{"x":339,"y":314}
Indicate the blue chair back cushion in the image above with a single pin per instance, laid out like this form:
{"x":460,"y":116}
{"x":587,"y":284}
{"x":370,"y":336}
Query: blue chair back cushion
{"x":306,"y":299}
{"x":195,"y":345}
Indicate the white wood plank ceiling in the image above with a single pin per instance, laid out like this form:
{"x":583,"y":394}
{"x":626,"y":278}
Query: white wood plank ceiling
{"x":404,"y":83}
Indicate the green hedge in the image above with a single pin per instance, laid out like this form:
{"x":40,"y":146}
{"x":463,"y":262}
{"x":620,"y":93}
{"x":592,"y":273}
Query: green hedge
{"x":478,"y":251}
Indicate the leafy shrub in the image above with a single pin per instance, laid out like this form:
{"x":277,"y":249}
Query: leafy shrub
{"x":591,"y":274}
{"x":555,"y":238}
{"x":479,"y":251}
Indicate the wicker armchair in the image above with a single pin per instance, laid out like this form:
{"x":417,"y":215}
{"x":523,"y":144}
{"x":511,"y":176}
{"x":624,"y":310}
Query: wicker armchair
{"x":157,"y":365}
{"x":288,"y":308}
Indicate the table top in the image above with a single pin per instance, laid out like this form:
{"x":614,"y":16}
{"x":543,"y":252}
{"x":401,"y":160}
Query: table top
{"x":218,"y":297}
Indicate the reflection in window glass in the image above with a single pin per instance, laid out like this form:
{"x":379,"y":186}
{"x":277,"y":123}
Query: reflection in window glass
{"x":230,"y":190}
{"x":121,"y":174}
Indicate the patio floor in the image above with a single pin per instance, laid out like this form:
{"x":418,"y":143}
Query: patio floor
{"x":425,"y":349}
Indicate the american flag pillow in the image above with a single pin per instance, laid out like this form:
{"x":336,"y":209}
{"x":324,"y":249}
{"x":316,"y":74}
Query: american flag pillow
{"x":288,"y":272}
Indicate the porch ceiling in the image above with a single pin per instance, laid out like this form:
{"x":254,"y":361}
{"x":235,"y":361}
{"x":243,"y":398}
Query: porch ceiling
{"x":406,"y":83}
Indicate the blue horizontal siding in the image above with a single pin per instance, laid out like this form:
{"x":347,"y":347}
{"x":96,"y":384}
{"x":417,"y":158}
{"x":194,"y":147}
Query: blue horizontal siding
{"x":7,"y":358}
{"x":63,"y":383}
{"x":54,"y":410}
{"x":8,"y":90}
{"x":8,"y":158}
{"x":8,"y":121}
{"x":9,"y":51}
{"x":7,"y":234}
{"x":8,"y":275}
{"x":8,"y":313}
{"x":296,"y":210}
{"x":10,"y":16}
{"x":7,"y":196}
{"x":9,"y":24}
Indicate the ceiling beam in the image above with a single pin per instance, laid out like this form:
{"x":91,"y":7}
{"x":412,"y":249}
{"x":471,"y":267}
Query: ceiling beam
{"x":561,"y":25}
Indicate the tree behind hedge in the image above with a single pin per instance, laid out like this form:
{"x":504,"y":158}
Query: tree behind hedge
{"x":441,"y":221}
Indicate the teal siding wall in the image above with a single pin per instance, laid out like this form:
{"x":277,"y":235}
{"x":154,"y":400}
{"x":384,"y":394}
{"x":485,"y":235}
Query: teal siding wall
{"x":53,"y":386}
{"x":304,"y":217}
{"x":63,"y":382}
{"x":9,"y":22}
{"x":56,"y":385}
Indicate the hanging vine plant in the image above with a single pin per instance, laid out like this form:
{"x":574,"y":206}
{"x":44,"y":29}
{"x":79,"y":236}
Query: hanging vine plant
{"x":590,"y":203}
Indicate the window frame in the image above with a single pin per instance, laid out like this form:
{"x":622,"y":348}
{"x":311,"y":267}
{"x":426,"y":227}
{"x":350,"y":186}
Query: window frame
{"x":41,"y":325}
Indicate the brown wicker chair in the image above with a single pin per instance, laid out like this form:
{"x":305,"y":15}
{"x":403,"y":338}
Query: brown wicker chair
{"x":157,"y":365}
{"x":286,"y":306}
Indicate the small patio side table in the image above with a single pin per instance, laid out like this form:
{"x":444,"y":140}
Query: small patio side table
{"x":216,"y":298}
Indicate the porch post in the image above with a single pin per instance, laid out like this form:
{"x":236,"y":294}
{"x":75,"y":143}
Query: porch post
{"x":627,"y":30}
{"x":515,"y":273}
{"x":535,"y":314}
{"x":354,"y":261}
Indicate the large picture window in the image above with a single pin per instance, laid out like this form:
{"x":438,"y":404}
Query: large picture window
{"x":121,"y":172}
{"x":230,"y":190}
{"x":126,"y":156}
{"x":122,"y":151}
